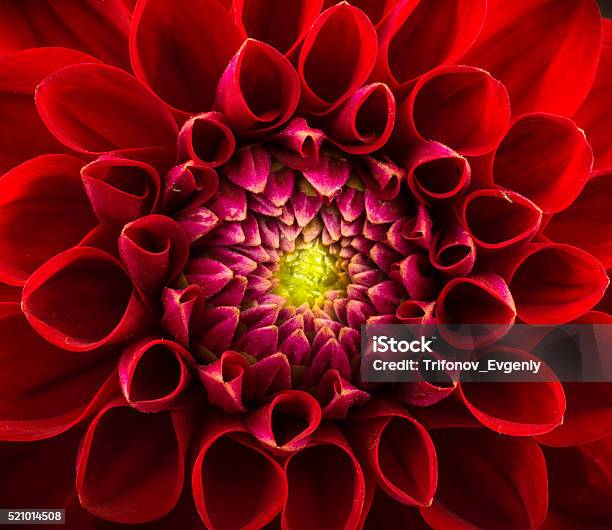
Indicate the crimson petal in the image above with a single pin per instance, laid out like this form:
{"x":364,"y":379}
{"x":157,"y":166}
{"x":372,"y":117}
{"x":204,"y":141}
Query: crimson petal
{"x":95,"y":108}
{"x":228,"y":381}
{"x":207,"y":139}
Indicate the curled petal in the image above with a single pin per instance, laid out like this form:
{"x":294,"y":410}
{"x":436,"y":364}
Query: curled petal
{"x":229,"y":466}
{"x":259,"y":90}
{"x":43,"y":210}
{"x":94,"y":108}
{"x":583,"y":223}
{"x":298,"y":144}
{"x":418,"y":36}
{"x":229,"y":381}
{"x":425,"y":392}
{"x":206,"y":139}
{"x":363,"y":123}
{"x":382,"y":175}
{"x":337,"y":396}
{"x":336,"y":57}
{"x":459,"y":106}
{"x":154,"y":249}
{"x":130,"y":467}
{"x":453,"y":252}
{"x":503,"y":407}
{"x":398,"y":451}
{"x":188,"y":186}
{"x":498,"y":218}
{"x":153,"y":374}
{"x":414,"y":312}
{"x":487,"y":481}
{"x":183,"y":310}
{"x":279,"y":23}
{"x":120,"y":189}
{"x":180,"y":51}
{"x":436,"y":172}
{"x":326,"y":484}
{"x":46,"y":390}
{"x":82,"y":299}
{"x":527,"y":160}
{"x":546,"y":57}
{"x":482,"y":299}
{"x":555,"y":283}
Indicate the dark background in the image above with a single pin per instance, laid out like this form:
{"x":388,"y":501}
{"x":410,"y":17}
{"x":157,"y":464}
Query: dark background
{"x":606,"y":8}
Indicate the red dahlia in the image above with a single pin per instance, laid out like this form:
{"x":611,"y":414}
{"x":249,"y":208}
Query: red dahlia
{"x":204,"y":200}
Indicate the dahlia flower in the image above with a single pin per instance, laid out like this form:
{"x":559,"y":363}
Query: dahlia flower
{"x":203,"y":201}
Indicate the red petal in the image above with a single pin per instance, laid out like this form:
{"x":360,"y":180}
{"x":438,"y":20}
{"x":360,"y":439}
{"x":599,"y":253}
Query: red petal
{"x":280,"y":23}
{"x":95,"y":108}
{"x":228,"y":469}
{"x":487,"y":481}
{"x":46,"y":390}
{"x":130,"y":467}
{"x":364,"y":123}
{"x":96,"y":28}
{"x":453,"y":252}
{"x":22,"y":133}
{"x":546,"y":55}
{"x":82,"y":299}
{"x":155,"y":250}
{"x":326,"y":485}
{"x":498,"y":219}
{"x":591,"y":116}
{"x":337,"y":395}
{"x":207,"y":139}
{"x":43,"y":211}
{"x":516,"y":408}
{"x":188,"y":186}
{"x":336,"y":57}
{"x":398,"y":451}
{"x":259,"y":89}
{"x":528,"y":160}
{"x":384,"y":512}
{"x":459,"y":106}
{"x":153,"y":374}
{"x":555,"y":283}
{"x":418,"y":36}
{"x":583,"y":223}
{"x":181,"y":49}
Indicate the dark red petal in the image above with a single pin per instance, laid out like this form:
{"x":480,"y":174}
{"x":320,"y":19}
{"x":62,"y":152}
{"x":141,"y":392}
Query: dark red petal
{"x":579,"y":507}
{"x":588,"y":416}
{"x":43,"y":211}
{"x":545,"y":54}
{"x":154,"y":373}
{"x":377,"y":10}
{"x":498,"y":219}
{"x":476,"y":300}
{"x":188,"y":186}
{"x":516,"y":408}
{"x":229,"y":468}
{"x":385,"y":512}
{"x":183,"y":310}
{"x":228,"y":381}
{"x":528,"y":160}
{"x":130,"y":467}
{"x":22,"y":133}
{"x":181,"y":49}
{"x":364,"y":123}
{"x":418,"y":36}
{"x":326,"y":484}
{"x":259,"y":89}
{"x":555,"y":283}
{"x":207,"y":139}
{"x":583,"y":224}
{"x":155,"y":250}
{"x":96,"y":28}
{"x":398,"y":451}
{"x":487,"y":481}
{"x":453,"y":252}
{"x":279,"y":23}
{"x":45,"y":390}
{"x":593,"y":113}
{"x":336,"y":57}
{"x":120,"y":189}
{"x":436,"y":172}
{"x":287,"y":422}
{"x":459,"y":106}
{"x":94,"y":108}
{"x":337,"y":395}
{"x":82,"y":299}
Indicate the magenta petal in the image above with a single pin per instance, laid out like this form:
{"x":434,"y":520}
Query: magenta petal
{"x":210,"y":275}
{"x":183,"y":309}
{"x":258,"y":342}
{"x":298,"y":144}
{"x":188,"y":186}
{"x":249,"y":169}
{"x":305,"y":207}
{"x":232,"y":294}
{"x":329,"y":175}
{"x":219,"y":326}
{"x":279,"y":186}
{"x":206,"y":139}
{"x":228,"y":381}
{"x":272,"y":374}
{"x":230,"y":203}
{"x":197,"y":223}
{"x":259,"y":89}
{"x":415,"y":277}
{"x":337,"y":396}
{"x":382,"y":175}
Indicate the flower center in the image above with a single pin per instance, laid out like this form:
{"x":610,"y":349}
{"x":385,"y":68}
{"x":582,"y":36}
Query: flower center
{"x":307,"y":274}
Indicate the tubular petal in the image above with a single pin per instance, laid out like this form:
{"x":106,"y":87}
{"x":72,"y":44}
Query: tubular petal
{"x":207,"y":139}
